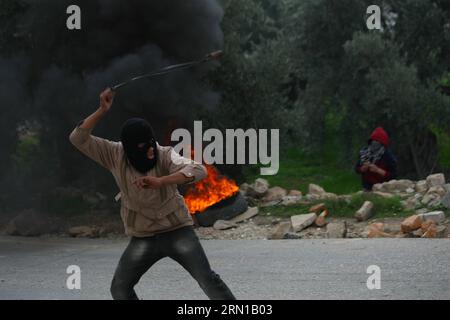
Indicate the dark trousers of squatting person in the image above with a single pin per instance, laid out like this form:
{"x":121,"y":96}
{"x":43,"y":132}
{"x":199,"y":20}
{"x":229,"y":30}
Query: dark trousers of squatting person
{"x":183,"y":246}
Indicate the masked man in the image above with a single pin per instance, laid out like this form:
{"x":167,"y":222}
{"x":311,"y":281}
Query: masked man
{"x":376,"y":163}
{"x":153,"y":212}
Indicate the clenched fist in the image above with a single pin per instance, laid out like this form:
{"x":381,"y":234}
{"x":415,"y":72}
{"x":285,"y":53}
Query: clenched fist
{"x":106,"y":100}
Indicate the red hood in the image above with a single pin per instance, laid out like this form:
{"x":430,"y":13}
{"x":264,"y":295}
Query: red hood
{"x":380,"y":135}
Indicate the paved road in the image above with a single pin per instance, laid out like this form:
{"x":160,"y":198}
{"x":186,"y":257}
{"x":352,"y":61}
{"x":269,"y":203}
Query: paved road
{"x":35,"y":268}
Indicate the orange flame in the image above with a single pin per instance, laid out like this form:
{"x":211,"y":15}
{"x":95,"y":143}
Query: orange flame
{"x":213,"y":189}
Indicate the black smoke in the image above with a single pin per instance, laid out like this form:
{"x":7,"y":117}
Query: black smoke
{"x":56,"y":76}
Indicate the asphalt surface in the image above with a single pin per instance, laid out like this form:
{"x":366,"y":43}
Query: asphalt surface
{"x":35,"y":268}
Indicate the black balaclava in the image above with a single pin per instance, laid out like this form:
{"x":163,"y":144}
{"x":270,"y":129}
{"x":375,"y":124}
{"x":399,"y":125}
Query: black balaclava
{"x":136,"y":131}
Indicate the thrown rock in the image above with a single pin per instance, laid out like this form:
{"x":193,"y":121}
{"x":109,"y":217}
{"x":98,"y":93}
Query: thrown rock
{"x":436,"y":180}
{"x":336,"y":229}
{"x":274,"y":194}
{"x":302,"y":221}
{"x":411,"y":223}
{"x":365,"y":212}
{"x":281,"y":230}
{"x":224,"y":225}
{"x":251,"y":212}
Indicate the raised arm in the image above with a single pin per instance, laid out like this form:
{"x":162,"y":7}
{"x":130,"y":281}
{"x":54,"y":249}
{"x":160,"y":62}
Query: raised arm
{"x":102,"y":151}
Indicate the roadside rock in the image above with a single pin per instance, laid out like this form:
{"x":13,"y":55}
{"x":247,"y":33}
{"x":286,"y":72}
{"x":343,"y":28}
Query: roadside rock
{"x":321,"y":219}
{"x":436,"y":180}
{"x":243,"y":188}
{"x":290,"y":200}
{"x":291,"y":236}
{"x":281,"y":230}
{"x":411,"y":223}
{"x":365,"y":212}
{"x":250,"y":213}
{"x":224,"y":225}
{"x":258,"y":189}
{"x":376,"y":230}
{"x":315,"y":190}
{"x":441,"y":232}
{"x":30,"y":223}
{"x":431,"y":232}
{"x":302,"y":221}
{"x":318,"y":208}
{"x":274,"y":193}
{"x":336,"y":229}
{"x":445,"y":201}
{"x":434,"y":216}
{"x":421,"y":186}
{"x":296,"y":193}
{"x":394,"y":186}
{"x":83,"y":231}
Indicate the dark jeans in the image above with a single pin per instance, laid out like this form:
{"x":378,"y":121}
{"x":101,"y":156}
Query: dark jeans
{"x":183,"y":246}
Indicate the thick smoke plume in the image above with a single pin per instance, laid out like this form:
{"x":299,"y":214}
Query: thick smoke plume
{"x":58,"y":74}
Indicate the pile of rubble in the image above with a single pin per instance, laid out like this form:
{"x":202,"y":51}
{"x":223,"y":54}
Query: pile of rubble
{"x":423,"y":196}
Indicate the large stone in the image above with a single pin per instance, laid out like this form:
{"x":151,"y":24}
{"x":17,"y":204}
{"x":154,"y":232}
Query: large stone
{"x":336,"y":229}
{"x":434,"y":216}
{"x":30,"y":223}
{"x":441,"y":232}
{"x":411,"y":223}
{"x":243,"y":188}
{"x":365,"y":212}
{"x":318,"y":208}
{"x":421,"y":186}
{"x":394,"y":186}
{"x":83,"y":231}
{"x":291,"y":200}
{"x":302,"y":221}
{"x":436,"y":180}
{"x":258,"y":189}
{"x":376,"y":230}
{"x":250,"y":213}
{"x":431,"y":232}
{"x":274,"y":193}
{"x":224,"y":225}
{"x":437,"y":190}
{"x":297,"y":193}
{"x":315,"y":190}
{"x":281,"y":230}
{"x":321,"y":219}
{"x":383,"y":194}
{"x":445,"y":201}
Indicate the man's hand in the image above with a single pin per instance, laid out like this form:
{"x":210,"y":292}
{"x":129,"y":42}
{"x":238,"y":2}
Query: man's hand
{"x":106,"y":100}
{"x":149,"y":182}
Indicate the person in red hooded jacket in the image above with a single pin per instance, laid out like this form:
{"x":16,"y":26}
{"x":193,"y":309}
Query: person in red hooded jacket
{"x":376,"y":163}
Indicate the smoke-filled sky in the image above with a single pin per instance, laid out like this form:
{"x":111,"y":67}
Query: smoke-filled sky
{"x":119,"y":39}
